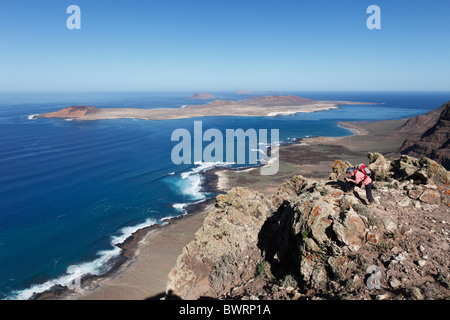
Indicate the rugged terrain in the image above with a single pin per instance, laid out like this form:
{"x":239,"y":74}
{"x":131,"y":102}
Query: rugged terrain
{"x":313,"y":239}
{"x":435,"y":137}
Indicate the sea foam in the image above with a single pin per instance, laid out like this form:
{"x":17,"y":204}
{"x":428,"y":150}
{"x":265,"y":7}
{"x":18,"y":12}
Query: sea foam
{"x":97,"y":267}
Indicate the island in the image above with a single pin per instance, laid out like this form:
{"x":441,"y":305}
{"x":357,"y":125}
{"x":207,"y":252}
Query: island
{"x":266,"y":106}
{"x":202,"y":96}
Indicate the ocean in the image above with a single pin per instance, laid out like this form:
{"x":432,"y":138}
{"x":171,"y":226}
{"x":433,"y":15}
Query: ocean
{"x":70,"y":191}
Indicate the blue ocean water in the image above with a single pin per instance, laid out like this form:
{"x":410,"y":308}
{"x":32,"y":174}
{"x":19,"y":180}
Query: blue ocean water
{"x":70,"y":191}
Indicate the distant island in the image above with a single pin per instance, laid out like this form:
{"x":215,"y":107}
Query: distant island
{"x":202,"y":96}
{"x":266,"y":106}
{"x":244,"y":92}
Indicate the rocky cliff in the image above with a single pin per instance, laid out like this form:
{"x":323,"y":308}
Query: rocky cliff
{"x":315,"y":240}
{"x":434,"y":141}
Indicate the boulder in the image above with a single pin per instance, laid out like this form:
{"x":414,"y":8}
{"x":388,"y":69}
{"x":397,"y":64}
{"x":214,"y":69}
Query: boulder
{"x":350,"y":231}
{"x":430,"y":197}
{"x":339,"y":169}
{"x":379,"y":166}
{"x":218,"y":259}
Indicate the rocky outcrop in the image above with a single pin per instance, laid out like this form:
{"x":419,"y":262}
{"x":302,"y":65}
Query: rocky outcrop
{"x":314,"y":240}
{"x":202,"y":96}
{"x":218,"y":259}
{"x":434,"y":142}
{"x":70,"y":112}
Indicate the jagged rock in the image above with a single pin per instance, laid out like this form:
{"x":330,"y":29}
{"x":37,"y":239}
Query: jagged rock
{"x":422,"y":171}
{"x":405,"y":167}
{"x":293,"y":187}
{"x":341,"y":267}
{"x":434,"y":142}
{"x":321,"y":229}
{"x":217,"y":260}
{"x":350,"y":231}
{"x":430,"y":197}
{"x":390,"y":226}
{"x":379,"y":166}
{"x":325,"y":238}
{"x":414,"y":193}
{"x":339,"y":168}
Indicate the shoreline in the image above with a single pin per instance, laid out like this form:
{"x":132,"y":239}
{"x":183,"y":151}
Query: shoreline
{"x":215,"y":181}
{"x":130,"y":251}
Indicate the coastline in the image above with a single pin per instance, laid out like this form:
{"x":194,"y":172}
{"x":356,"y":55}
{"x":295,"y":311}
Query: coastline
{"x":154,"y":248}
{"x":157,"y":247}
{"x":269,"y":106}
{"x":313,"y":157}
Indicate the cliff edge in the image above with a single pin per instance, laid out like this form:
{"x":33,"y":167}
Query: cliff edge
{"x":313,"y":239}
{"x":435,"y":138}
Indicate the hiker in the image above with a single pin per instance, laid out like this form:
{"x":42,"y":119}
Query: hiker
{"x":361,"y":177}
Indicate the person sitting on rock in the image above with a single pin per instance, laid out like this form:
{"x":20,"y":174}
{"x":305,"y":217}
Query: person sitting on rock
{"x":359,"y":178}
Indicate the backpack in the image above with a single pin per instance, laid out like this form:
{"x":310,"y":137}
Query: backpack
{"x":363,"y":168}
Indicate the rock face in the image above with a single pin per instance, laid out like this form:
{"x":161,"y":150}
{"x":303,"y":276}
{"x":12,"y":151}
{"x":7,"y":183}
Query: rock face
{"x":202,"y":96}
{"x":70,"y":112}
{"x":434,"y":142}
{"x":217,"y":260}
{"x":313,"y":240}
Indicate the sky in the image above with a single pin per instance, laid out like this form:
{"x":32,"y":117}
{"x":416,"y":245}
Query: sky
{"x":221,"y":45}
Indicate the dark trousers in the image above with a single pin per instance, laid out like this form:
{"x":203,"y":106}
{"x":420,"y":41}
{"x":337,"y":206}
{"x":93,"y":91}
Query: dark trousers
{"x":368,"y":190}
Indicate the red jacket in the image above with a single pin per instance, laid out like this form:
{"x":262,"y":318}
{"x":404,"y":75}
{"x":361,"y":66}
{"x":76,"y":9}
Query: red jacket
{"x":359,"y":176}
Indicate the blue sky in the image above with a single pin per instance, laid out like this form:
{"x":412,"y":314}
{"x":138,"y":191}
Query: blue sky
{"x":214,"y":45}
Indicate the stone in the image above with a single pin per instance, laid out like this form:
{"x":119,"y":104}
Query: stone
{"x":430,"y":197}
{"x":372,"y":238}
{"x":339,"y":169}
{"x":390,"y":226}
{"x":311,"y":245}
{"x":379,"y":166}
{"x":414,"y":293}
{"x":350,"y":231}
{"x":414,"y":193}
{"x":421,"y":263}
{"x":340,"y":267}
{"x":217,"y":260}
{"x":394,"y":283}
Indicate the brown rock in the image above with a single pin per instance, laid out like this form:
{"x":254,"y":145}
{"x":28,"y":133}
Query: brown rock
{"x":350,"y":231}
{"x":414,"y":193}
{"x":379,"y":166}
{"x":339,"y":169}
{"x":430,"y":196}
{"x":225,"y":251}
{"x":434,"y":142}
